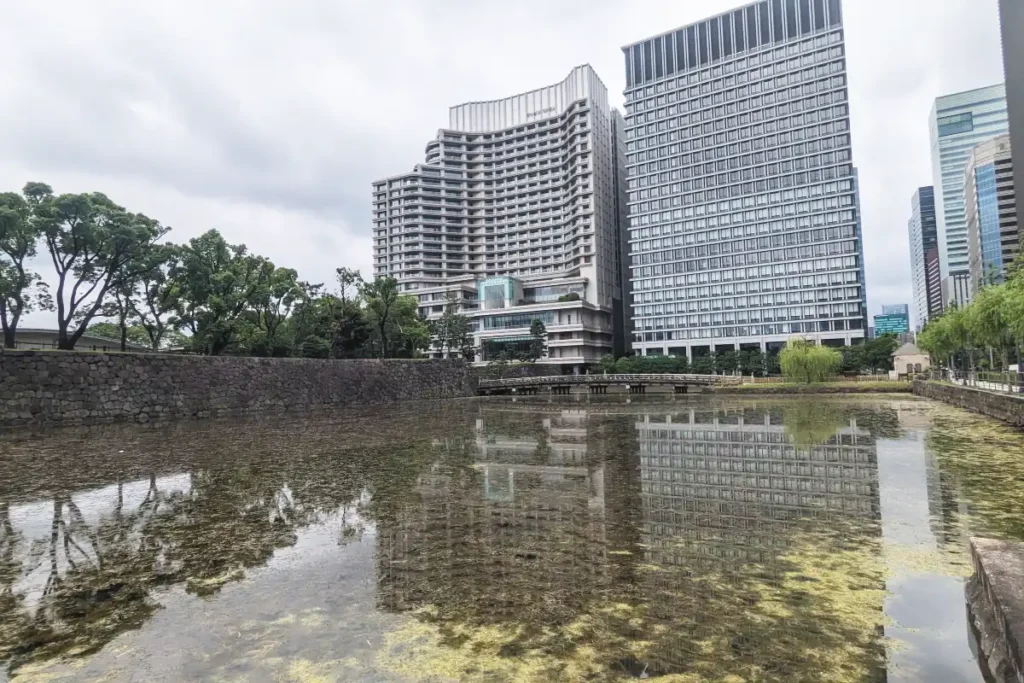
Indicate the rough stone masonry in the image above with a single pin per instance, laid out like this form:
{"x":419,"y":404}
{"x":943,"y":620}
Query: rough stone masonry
{"x":49,"y":387}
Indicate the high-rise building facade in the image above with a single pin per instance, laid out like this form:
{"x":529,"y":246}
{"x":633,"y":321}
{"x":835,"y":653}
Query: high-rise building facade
{"x":743,"y":212}
{"x":993,"y":240}
{"x":1011,"y":14}
{"x":958,"y":123}
{"x":515,"y":217}
{"x":924,"y":257}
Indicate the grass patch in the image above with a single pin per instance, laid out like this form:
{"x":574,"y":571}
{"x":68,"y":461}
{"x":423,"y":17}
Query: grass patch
{"x":820,"y":388}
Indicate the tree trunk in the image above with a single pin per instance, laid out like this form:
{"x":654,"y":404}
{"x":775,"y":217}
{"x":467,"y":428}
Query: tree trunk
{"x":9,"y":342}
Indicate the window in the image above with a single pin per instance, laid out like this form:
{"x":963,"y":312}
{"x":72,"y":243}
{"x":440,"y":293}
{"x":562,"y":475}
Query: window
{"x":956,"y":124}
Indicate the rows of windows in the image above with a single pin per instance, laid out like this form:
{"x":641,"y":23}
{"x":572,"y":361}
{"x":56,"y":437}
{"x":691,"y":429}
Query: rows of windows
{"x":744,"y":139}
{"x":782,"y":262}
{"x":650,"y":289}
{"x":768,"y":175}
{"x":736,"y":191}
{"x":716,"y":238}
{"x":738,"y":73}
{"x":722,"y":241}
{"x":755,"y":301}
{"x":785,"y":314}
{"x":744,"y":104}
{"x":725,"y":218}
{"x":700,"y":45}
{"x":704,"y":335}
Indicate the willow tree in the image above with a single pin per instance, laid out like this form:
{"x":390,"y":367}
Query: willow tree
{"x":806,"y":362}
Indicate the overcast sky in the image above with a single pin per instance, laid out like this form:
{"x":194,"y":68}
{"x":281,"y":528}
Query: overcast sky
{"x":268,"y":120}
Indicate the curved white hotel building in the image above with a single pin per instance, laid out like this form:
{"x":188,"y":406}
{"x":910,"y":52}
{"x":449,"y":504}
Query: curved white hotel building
{"x":515,"y":215}
{"x":744,"y":220}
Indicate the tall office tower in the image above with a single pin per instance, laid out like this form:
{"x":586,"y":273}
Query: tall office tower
{"x":514,"y":218}
{"x":744,"y":225}
{"x":993,"y":240}
{"x":1011,"y":14}
{"x":924,"y":257}
{"x":958,"y":123}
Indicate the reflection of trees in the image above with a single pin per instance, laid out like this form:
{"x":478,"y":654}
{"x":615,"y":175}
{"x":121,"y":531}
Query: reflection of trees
{"x":96,"y":581}
{"x":812,"y":423}
{"x":981,"y":475}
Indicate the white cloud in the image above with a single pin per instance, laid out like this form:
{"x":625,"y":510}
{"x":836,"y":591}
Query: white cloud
{"x":270,"y":120}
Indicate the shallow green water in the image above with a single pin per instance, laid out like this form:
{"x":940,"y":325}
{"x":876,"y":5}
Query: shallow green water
{"x":687,"y":540}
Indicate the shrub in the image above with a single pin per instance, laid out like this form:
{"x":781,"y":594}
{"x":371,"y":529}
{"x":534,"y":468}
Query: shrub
{"x":625,"y":366}
{"x":805,"y":362}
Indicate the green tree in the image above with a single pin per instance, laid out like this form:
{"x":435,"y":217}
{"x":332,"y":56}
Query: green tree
{"x":751,"y":362}
{"x":453,"y":331}
{"x":272,"y":304}
{"x":113,"y":331}
{"x":219,"y":284}
{"x":398,"y":329}
{"x":21,"y":290}
{"x":156,"y":299}
{"x":381,"y":297}
{"x":727,"y":362}
{"x":625,"y":366}
{"x":94,"y":244}
{"x":876,"y":354}
{"x":539,"y":340}
{"x":806,"y":362}
{"x":703,"y":365}
{"x":606,"y":364}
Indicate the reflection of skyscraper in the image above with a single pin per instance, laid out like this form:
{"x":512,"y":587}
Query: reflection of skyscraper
{"x":668,"y":545}
{"x":525,"y":520}
{"x":726,"y":489}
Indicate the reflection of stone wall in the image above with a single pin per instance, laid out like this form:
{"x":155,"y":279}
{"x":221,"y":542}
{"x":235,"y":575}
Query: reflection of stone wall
{"x":1000,"y":406}
{"x":80,"y":388}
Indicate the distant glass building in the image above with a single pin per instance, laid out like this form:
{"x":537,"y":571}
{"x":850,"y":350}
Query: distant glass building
{"x":993,"y":238}
{"x":893,"y":320}
{"x":958,"y":123}
{"x":924,"y":257}
{"x":744,"y":222}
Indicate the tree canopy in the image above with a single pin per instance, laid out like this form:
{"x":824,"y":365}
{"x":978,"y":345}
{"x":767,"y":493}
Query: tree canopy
{"x":114,"y":274}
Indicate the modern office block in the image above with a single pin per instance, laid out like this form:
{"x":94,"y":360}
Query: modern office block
{"x":924,"y":257}
{"x":993,"y":239}
{"x":744,"y":224}
{"x":893,"y":320}
{"x":515,"y":217}
{"x":958,"y":123}
{"x":1011,"y":13}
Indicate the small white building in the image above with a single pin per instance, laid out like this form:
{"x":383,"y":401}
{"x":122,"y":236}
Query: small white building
{"x":910,"y":360}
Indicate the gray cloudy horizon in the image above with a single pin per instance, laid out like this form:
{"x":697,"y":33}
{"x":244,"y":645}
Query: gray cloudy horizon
{"x":269,"y":121}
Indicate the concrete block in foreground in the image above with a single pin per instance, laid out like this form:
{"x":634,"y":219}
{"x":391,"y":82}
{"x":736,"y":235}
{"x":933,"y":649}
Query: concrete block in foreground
{"x":995,"y":603}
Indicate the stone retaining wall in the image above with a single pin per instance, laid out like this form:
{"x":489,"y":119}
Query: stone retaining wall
{"x":1005,"y":407}
{"x":43,"y":387}
{"x":995,"y":601}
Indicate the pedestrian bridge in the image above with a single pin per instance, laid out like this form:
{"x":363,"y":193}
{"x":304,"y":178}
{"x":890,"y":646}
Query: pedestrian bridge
{"x":599,"y":384}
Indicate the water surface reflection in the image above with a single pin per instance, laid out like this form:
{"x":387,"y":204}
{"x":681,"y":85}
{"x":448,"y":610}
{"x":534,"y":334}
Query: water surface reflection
{"x":688,"y":540}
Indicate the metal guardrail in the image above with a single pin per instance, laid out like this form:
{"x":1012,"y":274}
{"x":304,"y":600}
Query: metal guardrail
{"x":1000,"y":382}
{"x":562,"y":380}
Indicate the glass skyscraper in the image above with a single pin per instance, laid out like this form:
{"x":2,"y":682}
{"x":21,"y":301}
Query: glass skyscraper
{"x":958,"y":123}
{"x":924,"y":257}
{"x":993,"y":238}
{"x":744,"y":225}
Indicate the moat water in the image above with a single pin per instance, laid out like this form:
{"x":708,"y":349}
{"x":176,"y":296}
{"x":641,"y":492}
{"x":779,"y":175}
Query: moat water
{"x":696,"y":539}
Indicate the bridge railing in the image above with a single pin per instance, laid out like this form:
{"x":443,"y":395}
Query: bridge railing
{"x":562,"y":380}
